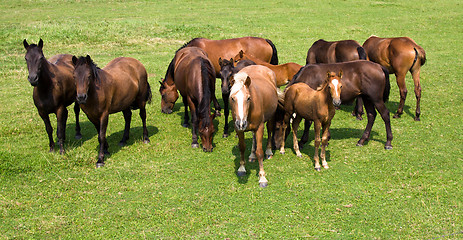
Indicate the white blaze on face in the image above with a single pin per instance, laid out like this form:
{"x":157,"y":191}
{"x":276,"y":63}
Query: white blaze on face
{"x":240,"y":102}
{"x":335,"y":82}
{"x":239,"y":93}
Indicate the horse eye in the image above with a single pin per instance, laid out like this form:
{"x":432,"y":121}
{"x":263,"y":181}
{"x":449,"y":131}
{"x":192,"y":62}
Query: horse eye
{"x":249,"y":99}
{"x":233,"y":99}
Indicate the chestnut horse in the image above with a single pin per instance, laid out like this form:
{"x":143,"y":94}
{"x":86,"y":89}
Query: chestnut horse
{"x":360,"y":78}
{"x":194,"y":77}
{"x":54,"y":90}
{"x":323,"y":51}
{"x":227,"y":69}
{"x":283,"y":72}
{"x":253,"y":100}
{"x":121,"y":85}
{"x":314,"y":105}
{"x":399,"y":55}
{"x":261,"y":48}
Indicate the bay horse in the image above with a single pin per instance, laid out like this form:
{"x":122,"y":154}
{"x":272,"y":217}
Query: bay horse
{"x":261,"y":48}
{"x":227,"y":69}
{"x":283,"y":72}
{"x":54,"y":90}
{"x":121,"y":85}
{"x":361,"y":78}
{"x":399,"y":55}
{"x":253,"y":101}
{"x":194,"y":77}
{"x":314,"y":105}
{"x":323,"y":51}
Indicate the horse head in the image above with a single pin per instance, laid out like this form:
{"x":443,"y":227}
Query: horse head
{"x":169,"y":96}
{"x":335,"y":85}
{"x":226,"y":70}
{"x":84,"y":74}
{"x":206,"y":132}
{"x":35,"y":61}
{"x":240,"y":100}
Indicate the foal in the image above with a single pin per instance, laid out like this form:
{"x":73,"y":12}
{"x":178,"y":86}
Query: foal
{"x":54,"y":90}
{"x":314,"y":105}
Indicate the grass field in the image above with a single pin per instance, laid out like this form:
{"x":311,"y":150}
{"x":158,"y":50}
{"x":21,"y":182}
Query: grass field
{"x":166,"y":190}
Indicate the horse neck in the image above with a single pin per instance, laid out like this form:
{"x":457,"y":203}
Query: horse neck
{"x":325,"y":94}
{"x":47,"y":76}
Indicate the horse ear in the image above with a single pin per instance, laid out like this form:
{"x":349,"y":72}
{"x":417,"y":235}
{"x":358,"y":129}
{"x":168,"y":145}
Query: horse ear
{"x":241,"y":53}
{"x":232,"y":80}
{"x":340,"y":74}
{"x":40,"y":43}
{"x":328,"y":74}
{"x":247,"y":82}
{"x":74,"y":60}
{"x":26,"y":45}
{"x":220,"y":62}
{"x":89,"y":60}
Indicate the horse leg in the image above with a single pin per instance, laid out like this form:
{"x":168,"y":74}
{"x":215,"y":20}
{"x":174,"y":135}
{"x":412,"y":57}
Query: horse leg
{"x":270,"y":128}
{"x":284,"y":125}
{"x":305,"y":135}
{"x":216,"y":104}
{"x":384,"y":112}
{"x":317,"y":127}
{"x":252,"y":156}
{"x":49,"y":129}
{"x":103,"y":124}
{"x":76,"y":112}
{"x":142,"y":114}
{"x":325,"y":139}
{"x":295,"y":126}
{"x":127,"y":117}
{"x":400,"y":76}
{"x":186,"y":118}
{"x":371,"y":115}
{"x":61,"y":118}
{"x":416,"y":81}
{"x":242,"y":145}
{"x":358,"y":109}
{"x":225,"y":98}
{"x":259,"y":136}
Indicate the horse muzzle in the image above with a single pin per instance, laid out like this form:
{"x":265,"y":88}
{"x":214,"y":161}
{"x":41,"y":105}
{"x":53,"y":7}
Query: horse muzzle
{"x":33,"y":80}
{"x":337,"y":103}
{"x":81,"y":98}
{"x":166,"y":110}
{"x":241,"y":125}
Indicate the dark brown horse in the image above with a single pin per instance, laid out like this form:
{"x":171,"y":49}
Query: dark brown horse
{"x":253,"y":100}
{"x":194,"y":77}
{"x":54,"y":90}
{"x":323,"y":51}
{"x":227,"y":69}
{"x":399,"y":55}
{"x":360,"y":78}
{"x":283,"y":72}
{"x":314,"y":105}
{"x":121,"y":85}
{"x":261,"y":48}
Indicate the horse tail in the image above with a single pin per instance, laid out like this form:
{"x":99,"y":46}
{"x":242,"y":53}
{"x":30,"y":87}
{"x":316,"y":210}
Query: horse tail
{"x":204,"y":104}
{"x":421,"y":53}
{"x":387,"y":85}
{"x":281,"y":98}
{"x":274,"y":59}
{"x":362,"y":53}
{"x":149,"y":95}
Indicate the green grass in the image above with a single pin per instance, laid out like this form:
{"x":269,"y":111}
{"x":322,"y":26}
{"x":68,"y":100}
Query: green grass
{"x":166,"y":190}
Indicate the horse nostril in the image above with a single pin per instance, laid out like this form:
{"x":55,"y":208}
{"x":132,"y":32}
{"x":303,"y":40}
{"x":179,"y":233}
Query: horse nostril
{"x":81,"y":98}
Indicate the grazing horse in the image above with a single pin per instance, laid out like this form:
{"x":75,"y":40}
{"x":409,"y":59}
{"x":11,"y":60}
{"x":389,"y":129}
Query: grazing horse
{"x":261,"y":48}
{"x":323,"y":51}
{"x":227,"y":69}
{"x":283,"y":72}
{"x":399,"y":55}
{"x":54,"y":90}
{"x":194,"y":77}
{"x":253,"y":100}
{"x":314,"y":105}
{"x":121,"y":85}
{"x":360,"y":78}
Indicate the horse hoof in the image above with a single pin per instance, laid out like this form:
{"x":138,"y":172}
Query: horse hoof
{"x":299,"y":155}
{"x":146,"y":141}
{"x":388,"y":147}
{"x":359,"y":145}
{"x":318,"y":169}
{"x":217,"y":113}
{"x":78,"y":136}
{"x":269,"y":156}
{"x":359,"y":118}
{"x":396,"y":116}
{"x":240,"y":174}
{"x":417,"y":119}
{"x":252,"y":160}
{"x":263,"y":184}
{"x":99,"y":164}
{"x":282,"y":152}
{"x":194,"y":145}
{"x":326,"y":166}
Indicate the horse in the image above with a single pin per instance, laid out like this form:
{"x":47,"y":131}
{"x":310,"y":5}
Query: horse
{"x":314,"y":105}
{"x":283,"y":72}
{"x":54,"y":90}
{"x":121,"y":85}
{"x":253,"y":100}
{"x":261,"y":48}
{"x":194,"y":77}
{"x":360,"y":78}
{"x":399,"y":55}
{"x":323,"y":51}
{"x":227,"y":69}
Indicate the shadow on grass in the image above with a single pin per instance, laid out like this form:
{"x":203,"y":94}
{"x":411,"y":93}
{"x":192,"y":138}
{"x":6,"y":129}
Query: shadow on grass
{"x":391,"y":105}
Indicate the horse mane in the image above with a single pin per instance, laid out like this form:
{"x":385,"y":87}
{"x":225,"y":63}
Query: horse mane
{"x":240,"y":78}
{"x":207,"y":73}
{"x":93,"y":67}
{"x":324,"y":84}
{"x":186,"y":44}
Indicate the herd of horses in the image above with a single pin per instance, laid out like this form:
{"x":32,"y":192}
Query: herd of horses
{"x":335,"y":73}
